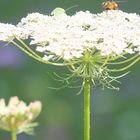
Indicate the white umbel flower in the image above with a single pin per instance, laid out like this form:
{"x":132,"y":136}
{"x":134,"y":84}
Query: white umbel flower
{"x":6,"y":32}
{"x":111,"y":32}
{"x":68,"y":36}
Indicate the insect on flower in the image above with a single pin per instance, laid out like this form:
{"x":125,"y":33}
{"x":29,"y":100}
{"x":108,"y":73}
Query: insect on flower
{"x":111,"y":5}
{"x":59,"y":11}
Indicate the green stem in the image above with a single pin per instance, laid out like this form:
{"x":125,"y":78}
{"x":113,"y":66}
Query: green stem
{"x":124,"y":68}
{"x":86,"y":109}
{"x":35,"y":56}
{"x":28,"y":48}
{"x":124,"y":61}
{"x":14,"y":136}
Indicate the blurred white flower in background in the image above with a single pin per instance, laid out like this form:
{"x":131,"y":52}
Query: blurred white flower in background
{"x":18,"y":116}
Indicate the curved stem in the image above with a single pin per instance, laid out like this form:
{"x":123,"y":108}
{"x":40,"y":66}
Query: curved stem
{"x":28,"y":48}
{"x":124,"y":68}
{"x":32,"y":54}
{"x":14,"y":136}
{"x":124,"y":61}
{"x":86,"y":109}
{"x":39,"y":58}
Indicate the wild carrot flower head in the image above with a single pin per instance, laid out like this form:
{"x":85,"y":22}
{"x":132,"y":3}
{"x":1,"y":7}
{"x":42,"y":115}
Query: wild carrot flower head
{"x":90,"y":44}
{"x":18,"y":116}
{"x":110,"y":32}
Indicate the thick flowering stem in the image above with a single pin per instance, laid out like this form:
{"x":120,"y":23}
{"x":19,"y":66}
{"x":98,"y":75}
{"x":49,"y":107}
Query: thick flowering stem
{"x":87,"y":109}
{"x":14,"y":136}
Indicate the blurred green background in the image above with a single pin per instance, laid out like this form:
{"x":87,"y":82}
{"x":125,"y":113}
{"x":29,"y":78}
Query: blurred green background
{"x":115,"y":115}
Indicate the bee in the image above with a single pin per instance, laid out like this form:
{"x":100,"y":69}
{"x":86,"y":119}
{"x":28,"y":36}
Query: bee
{"x":110,"y":5}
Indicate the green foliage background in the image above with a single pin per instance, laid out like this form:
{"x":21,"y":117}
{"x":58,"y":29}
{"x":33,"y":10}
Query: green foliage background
{"x":115,"y":114}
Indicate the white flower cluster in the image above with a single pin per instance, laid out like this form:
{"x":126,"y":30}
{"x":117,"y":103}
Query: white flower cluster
{"x":17,"y":115}
{"x":111,"y":32}
{"x":8,"y":32}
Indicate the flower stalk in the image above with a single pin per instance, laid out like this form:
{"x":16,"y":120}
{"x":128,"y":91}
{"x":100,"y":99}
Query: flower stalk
{"x":87,"y":109}
{"x":13,"y":133}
